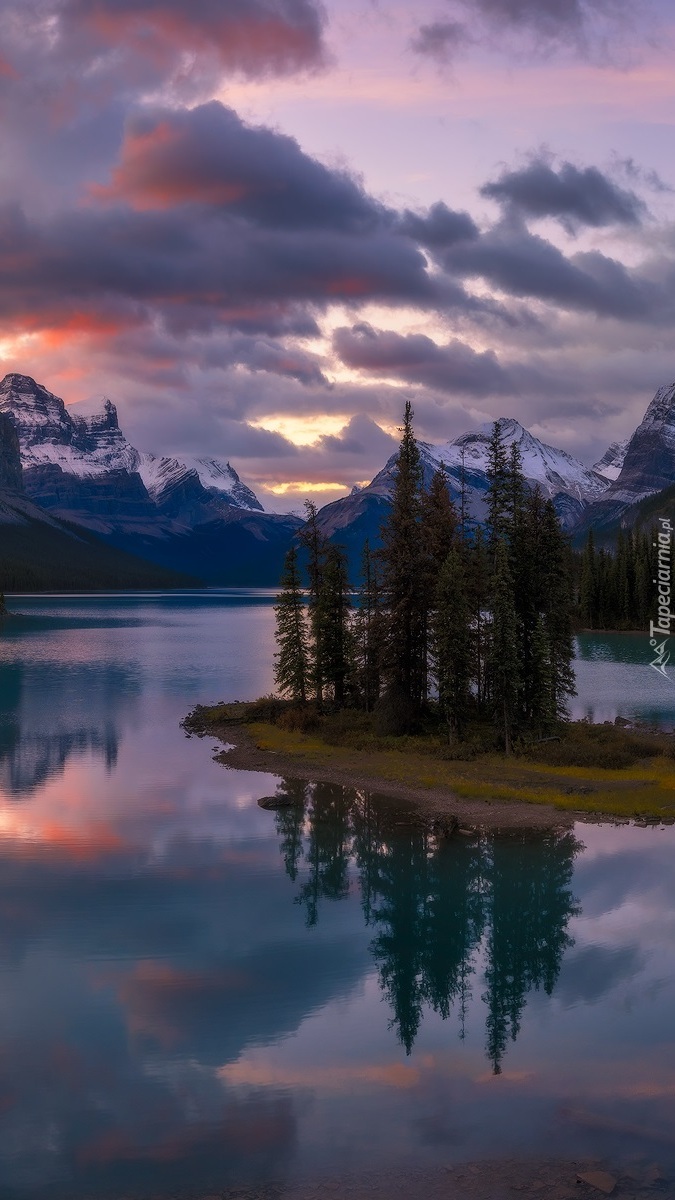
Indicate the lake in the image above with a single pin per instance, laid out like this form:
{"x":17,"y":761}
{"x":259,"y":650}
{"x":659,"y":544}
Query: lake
{"x":197,"y":994}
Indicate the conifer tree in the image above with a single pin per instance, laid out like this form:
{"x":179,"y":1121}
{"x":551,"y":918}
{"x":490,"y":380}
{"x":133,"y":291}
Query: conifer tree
{"x":368,"y":631}
{"x":333,"y":619}
{"x":504,"y":663}
{"x":404,"y":577}
{"x":439,"y":531}
{"x":588,"y":584}
{"x":315,"y":544}
{"x":291,"y":668}
{"x":451,"y":643}
{"x":499,"y":498}
{"x":557,"y":609}
{"x":477,"y":574}
{"x":542,"y":706}
{"x":439,"y":523}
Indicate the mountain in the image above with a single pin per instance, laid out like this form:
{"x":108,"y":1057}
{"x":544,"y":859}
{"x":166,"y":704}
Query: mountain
{"x":562,"y":478}
{"x":40,"y":552}
{"x":648,"y":467}
{"x":188,"y":515}
{"x":612,"y":460}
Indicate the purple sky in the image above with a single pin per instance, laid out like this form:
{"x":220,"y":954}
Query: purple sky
{"x":260,"y":225}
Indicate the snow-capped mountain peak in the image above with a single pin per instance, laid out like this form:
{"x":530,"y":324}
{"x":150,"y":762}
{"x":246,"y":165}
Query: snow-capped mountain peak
{"x":554,"y":470}
{"x":84,"y":441}
{"x":164,"y":474}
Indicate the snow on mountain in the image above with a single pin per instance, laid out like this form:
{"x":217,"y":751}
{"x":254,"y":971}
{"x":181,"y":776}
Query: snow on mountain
{"x":612,"y":460}
{"x":217,"y":477}
{"x":648,"y":465}
{"x":554,"y":470}
{"x":568,"y":483}
{"x":84,"y":440}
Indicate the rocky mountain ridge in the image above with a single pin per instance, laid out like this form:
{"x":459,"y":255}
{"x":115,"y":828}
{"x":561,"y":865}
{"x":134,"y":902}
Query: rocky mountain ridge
{"x":193,"y":515}
{"x":647,"y":468}
{"x":567,"y":482}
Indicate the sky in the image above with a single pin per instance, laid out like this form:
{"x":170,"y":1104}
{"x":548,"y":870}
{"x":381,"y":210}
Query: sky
{"x":260,"y":226}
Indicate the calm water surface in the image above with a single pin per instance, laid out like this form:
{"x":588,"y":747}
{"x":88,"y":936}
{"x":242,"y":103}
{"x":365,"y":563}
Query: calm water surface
{"x":198,"y":993}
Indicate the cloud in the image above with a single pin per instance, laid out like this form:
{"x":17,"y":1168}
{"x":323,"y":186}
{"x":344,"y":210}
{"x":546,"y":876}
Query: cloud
{"x":208,"y":156}
{"x":573,"y":196}
{"x":193,"y":270}
{"x":548,"y":18}
{"x":440,"y":40}
{"x":595,"y":29}
{"x":438,"y":227}
{"x":416,"y":358}
{"x":154,"y":39}
{"x":510,"y":258}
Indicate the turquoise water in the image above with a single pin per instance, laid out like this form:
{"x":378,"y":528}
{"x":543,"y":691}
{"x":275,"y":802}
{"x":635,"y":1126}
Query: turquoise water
{"x":197,"y":994}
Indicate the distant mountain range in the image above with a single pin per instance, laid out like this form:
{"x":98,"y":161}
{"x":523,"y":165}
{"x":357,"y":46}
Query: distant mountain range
{"x":78,"y":501}
{"x":194,"y":516}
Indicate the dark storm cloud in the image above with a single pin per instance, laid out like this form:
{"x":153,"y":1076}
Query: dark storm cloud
{"x":416,"y":358}
{"x":207,"y":155}
{"x":514,"y":260}
{"x":438,"y":227}
{"x":71,"y":70}
{"x":575,"y":197}
{"x":122,"y":265}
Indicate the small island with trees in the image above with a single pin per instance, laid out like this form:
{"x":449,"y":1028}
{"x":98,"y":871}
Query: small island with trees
{"x":446,"y":676}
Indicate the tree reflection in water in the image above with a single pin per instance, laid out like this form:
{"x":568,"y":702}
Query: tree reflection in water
{"x":439,"y":908}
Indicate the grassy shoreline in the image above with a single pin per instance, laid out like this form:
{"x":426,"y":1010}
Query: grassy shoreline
{"x":597,"y":772}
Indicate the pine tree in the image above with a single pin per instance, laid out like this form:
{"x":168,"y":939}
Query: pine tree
{"x":588,"y":587}
{"x":291,"y":669}
{"x":498,"y":498}
{"x":315,"y":544}
{"x":404,"y":577}
{"x":439,"y":531}
{"x":542,"y":706}
{"x":477,"y":574}
{"x":368,"y":630}
{"x":439,"y":523}
{"x":451,"y":643}
{"x":333,"y":619}
{"x":557,"y":609}
{"x":504,"y":663}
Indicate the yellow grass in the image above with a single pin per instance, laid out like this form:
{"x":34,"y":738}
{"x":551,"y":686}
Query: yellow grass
{"x":644,"y":790}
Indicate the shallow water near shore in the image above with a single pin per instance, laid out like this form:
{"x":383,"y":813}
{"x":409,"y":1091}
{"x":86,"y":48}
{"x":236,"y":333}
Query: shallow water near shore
{"x":199,"y":995}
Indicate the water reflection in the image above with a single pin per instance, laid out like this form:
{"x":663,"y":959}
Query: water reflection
{"x":48,"y":717}
{"x":196,"y":993}
{"x":431,"y":902}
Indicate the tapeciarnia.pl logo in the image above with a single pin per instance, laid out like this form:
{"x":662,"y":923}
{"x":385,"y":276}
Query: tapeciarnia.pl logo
{"x":657,"y":629}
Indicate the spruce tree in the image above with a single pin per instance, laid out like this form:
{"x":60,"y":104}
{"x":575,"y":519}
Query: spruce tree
{"x":588,"y":587}
{"x":405,"y":601}
{"x":542,"y":704}
{"x":499,"y":497}
{"x":439,"y":531}
{"x":368,"y":631}
{"x":451,"y":643}
{"x":333,"y":618}
{"x":315,"y":544}
{"x":291,"y":668}
{"x":439,"y":523}
{"x":477,"y":573}
{"x":504,"y":663}
{"x":557,"y":609}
